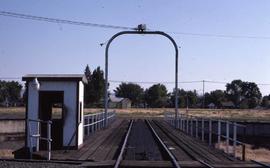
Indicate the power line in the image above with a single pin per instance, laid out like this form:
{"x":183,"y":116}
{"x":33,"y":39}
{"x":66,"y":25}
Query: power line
{"x":219,"y":35}
{"x":62,"y":21}
{"x":152,"y":82}
{"x":80,"y":23}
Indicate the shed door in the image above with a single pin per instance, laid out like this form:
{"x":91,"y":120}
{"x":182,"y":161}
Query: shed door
{"x":51,"y":108}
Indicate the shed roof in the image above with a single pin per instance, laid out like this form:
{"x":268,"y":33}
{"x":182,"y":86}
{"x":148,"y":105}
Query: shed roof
{"x":227,"y":104}
{"x":55,"y":77}
{"x":117,"y":99}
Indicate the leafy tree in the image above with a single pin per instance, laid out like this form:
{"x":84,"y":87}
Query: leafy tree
{"x":157,"y":96}
{"x":217,"y":97}
{"x":234,"y":91}
{"x":266,"y":101}
{"x":132,"y":91}
{"x":94,"y":89}
{"x":10,"y":91}
{"x":185,"y":98}
{"x":243,"y":94}
{"x":251,"y":92}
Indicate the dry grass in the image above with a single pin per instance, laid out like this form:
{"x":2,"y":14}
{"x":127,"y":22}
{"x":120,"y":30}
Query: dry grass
{"x":260,"y":154}
{"x":231,"y":114}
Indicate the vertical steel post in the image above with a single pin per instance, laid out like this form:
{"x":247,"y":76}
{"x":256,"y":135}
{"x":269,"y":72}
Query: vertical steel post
{"x":234,"y":138}
{"x":88,"y":127}
{"x":39,"y":134}
{"x":196,"y":127}
{"x":187,"y":125}
{"x":49,"y":140}
{"x":203,"y":95}
{"x":96,"y":119}
{"x":92,"y":126}
{"x":29,"y":138}
{"x":219,"y":133}
{"x":191,"y":126}
{"x":181,"y":123}
{"x":202,"y":129}
{"x":244,"y":152}
{"x":98,"y":116}
{"x":227,"y":136}
{"x":103,"y":119}
{"x":210,"y":132}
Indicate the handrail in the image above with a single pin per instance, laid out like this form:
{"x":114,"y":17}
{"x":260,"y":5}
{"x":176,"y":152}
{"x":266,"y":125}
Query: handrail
{"x":96,"y":121}
{"x":38,"y":136}
{"x":185,"y":123}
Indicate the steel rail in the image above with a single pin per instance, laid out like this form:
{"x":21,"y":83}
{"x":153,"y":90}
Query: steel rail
{"x":120,"y":156}
{"x":205,"y":164}
{"x":173,"y":159}
{"x":260,"y":163}
{"x":197,"y":159}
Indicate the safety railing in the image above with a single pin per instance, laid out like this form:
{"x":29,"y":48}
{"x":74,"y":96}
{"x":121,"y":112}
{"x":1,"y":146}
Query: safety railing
{"x":37,"y":136}
{"x":200,"y":127}
{"x":96,"y":121}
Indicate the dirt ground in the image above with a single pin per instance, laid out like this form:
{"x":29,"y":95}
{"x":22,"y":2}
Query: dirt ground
{"x":258,"y":154}
{"x":7,"y":147}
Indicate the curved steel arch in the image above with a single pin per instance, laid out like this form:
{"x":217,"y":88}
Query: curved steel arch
{"x":106,"y":67}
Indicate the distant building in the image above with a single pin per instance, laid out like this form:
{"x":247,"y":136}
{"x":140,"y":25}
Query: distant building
{"x":119,"y":102}
{"x":211,"y":106}
{"x":227,"y":105}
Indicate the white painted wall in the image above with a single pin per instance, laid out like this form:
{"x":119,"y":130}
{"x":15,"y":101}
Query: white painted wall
{"x":70,"y":96}
{"x":80,"y":130}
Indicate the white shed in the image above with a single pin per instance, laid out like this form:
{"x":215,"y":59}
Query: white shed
{"x":56,"y":98}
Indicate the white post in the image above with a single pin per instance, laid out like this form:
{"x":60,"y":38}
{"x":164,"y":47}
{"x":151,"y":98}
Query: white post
{"x":49,"y":140}
{"x":210,"y":132}
{"x":196,"y":128}
{"x":234,"y":138}
{"x":227,"y":136}
{"x":181,"y":123}
{"x":187,"y":125}
{"x":39,"y":134}
{"x":219,"y":133}
{"x":191,"y":126}
{"x":88,"y":127}
{"x":29,"y":138}
{"x":202,"y":129}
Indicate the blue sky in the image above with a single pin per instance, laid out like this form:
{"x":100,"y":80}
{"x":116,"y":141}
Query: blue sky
{"x":39,"y":47}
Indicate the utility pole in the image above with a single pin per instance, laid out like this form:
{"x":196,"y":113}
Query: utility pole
{"x":203,"y":94}
{"x":187,"y":104}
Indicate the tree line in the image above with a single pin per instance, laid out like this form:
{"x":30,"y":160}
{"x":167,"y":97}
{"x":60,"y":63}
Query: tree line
{"x":241,"y":94}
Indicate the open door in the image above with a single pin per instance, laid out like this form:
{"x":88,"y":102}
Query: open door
{"x":51,"y":107}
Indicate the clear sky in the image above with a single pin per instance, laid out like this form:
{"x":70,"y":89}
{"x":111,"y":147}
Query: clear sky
{"x":28,"y":46}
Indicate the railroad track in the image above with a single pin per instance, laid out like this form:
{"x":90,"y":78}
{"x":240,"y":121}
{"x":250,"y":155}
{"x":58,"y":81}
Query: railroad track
{"x":174,"y":151}
{"x":156,"y":138}
{"x":166,"y":152}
